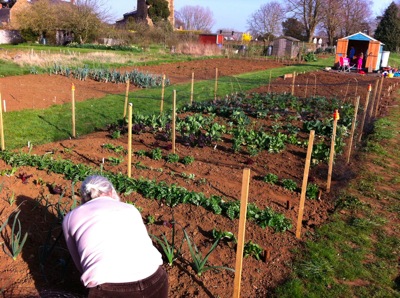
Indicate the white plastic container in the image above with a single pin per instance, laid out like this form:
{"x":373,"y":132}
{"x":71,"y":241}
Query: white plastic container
{"x":385,"y":58}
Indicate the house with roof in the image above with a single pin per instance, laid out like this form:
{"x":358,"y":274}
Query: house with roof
{"x":360,"y":42}
{"x":9,"y":23}
{"x":286,"y":46}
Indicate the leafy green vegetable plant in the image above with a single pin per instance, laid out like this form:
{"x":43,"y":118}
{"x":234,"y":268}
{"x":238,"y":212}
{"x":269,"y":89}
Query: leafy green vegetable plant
{"x":223,"y":235}
{"x":271,"y":178}
{"x":289,"y":184}
{"x":252,"y":249}
{"x":312,"y":191}
{"x":156,"y":154}
{"x":115,"y":160}
{"x":187,"y":160}
{"x":172,"y":158}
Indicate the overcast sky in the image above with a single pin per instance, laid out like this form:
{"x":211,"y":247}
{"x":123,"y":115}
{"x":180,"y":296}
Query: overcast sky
{"x":228,"y":14}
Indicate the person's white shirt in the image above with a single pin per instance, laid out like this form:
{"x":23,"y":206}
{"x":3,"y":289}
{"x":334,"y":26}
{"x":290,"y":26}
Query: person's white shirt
{"x":109,"y":242}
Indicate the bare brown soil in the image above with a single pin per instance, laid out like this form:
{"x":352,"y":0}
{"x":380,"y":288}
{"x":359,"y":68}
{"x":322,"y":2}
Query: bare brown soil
{"x":215,"y":171}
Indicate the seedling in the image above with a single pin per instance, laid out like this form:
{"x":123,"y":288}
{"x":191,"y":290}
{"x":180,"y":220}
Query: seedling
{"x":253,"y":250}
{"x":312,"y":191}
{"x":140,"y":166}
{"x":16,"y":241}
{"x":289,"y":184}
{"x":172,"y":158}
{"x":187,"y":160}
{"x":271,"y":178}
{"x":141,"y":153}
{"x":116,"y":134}
{"x":24,"y":177}
{"x":171,"y":252}
{"x":115,"y":160}
{"x":198,"y":260}
{"x":156,"y":154}
{"x":188,"y":176}
{"x":224,"y":235}
{"x":151,"y":219}
{"x":11,"y":199}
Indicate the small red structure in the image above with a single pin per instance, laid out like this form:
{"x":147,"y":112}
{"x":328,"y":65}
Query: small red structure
{"x":211,"y":39}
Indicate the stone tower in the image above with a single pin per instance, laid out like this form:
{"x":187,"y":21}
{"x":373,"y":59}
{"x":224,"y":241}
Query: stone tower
{"x":142,"y":11}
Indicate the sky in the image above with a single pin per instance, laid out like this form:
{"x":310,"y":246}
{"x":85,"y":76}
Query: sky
{"x":228,"y":14}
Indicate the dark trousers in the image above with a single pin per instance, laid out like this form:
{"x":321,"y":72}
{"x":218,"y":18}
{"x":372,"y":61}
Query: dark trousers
{"x":154,"y":286}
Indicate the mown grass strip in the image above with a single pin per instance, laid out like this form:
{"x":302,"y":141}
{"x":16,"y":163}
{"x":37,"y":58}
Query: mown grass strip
{"x":356,"y":254}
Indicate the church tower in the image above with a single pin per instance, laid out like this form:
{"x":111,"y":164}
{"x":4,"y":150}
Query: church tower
{"x":142,"y":11}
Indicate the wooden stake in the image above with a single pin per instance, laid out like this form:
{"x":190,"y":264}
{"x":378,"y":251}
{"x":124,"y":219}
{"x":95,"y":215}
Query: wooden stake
{"x":3,"y":147}
{"x":216,"y":84}
{"x":373,"y":102}
{"x":173,"y":122}
{"x":130,"y":140}
{"x":304,"y":185}
{"x":305,"y":92}
{"x":332,"y":153}
{"x":162,"y":94}
{"x":126,"y":98}
{"x":192,"y":89}
{"x":269,"y":82}
{"x":293,"y":82}
{"x":371,"y":107}
{"x":378,"y":101}
{"x":353,"y":128}
{"x":241,"y":234}
{"x":73,"y":110}
{"x":364,"y":115}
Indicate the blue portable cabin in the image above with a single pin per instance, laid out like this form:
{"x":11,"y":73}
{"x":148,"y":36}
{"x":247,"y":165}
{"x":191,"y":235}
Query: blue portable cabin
{"x":362,"y":43}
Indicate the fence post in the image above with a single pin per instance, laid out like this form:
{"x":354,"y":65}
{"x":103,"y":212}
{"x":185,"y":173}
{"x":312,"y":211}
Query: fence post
{"x":332,"y":152}
{"x":353,"y":127}
{"x":173,"y":122}
{"x":3,"y":147}
{"x":130,"y":140}
{"x":73,"y":110}
{"x":304,"y":185}
{"x":162,"y":93}
{"x":241,"y":234}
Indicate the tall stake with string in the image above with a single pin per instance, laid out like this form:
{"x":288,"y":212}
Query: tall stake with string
{"x":332,"y":152}
{"x":73,"y":110}
{"x":3,"y":147}
{"x":241,"y":234}
{"x":130,"y":140}
{"x":304,"y":185}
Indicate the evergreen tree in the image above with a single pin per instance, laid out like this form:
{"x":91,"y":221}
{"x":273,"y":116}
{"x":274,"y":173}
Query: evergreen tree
{"x":158,"y":10}
{"x":294,"y":28}
{"x":388,"y":30}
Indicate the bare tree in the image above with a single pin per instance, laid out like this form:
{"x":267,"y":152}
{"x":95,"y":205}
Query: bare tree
{"x":356,"y":18}
{"x":195,"y":18}
{"x":266,"y":21}
{"x":309,"y":12}
{"x":332,"y":11}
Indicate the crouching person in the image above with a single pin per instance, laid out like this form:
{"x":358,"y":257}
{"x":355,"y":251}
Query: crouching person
{"x":110,"y":246}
